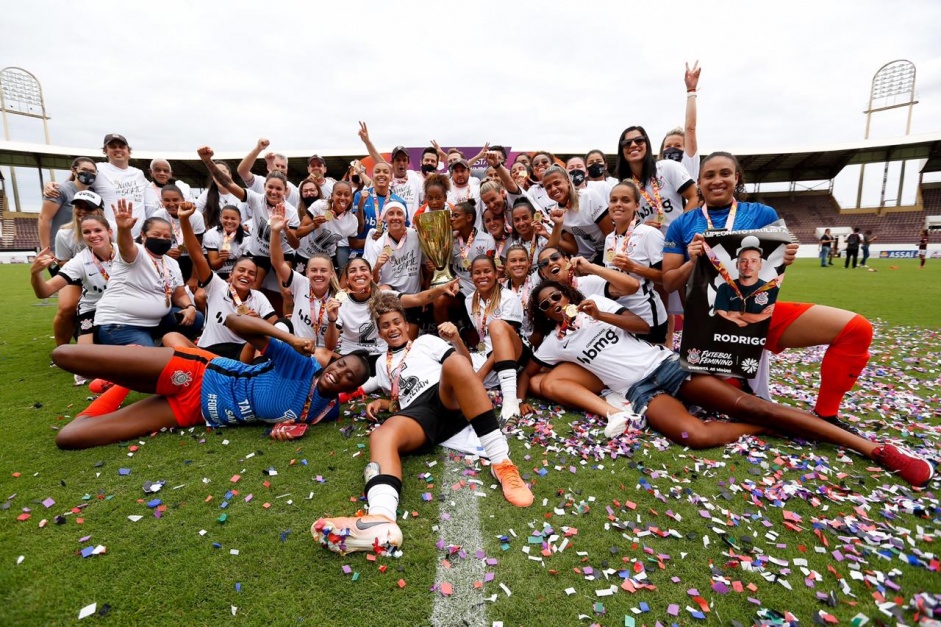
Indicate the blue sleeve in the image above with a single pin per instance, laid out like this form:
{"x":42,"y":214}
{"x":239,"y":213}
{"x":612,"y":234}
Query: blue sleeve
{"x":673,"y":243}
{"x":290,"y":364}
{"x":722,"y":298}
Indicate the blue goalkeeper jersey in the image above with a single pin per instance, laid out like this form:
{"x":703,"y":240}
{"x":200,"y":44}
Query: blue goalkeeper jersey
{"x":750,"y":216}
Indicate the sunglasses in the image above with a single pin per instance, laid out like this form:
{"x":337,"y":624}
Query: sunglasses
{"x":640,"y":141}
{"x":554,"y":297}
{"x":553,"y":258}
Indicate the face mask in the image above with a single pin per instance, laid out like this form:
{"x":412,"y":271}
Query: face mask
{"x":427,"y":168}
{"x":159,"y":247}
{"x":355,"y":179}
{"x":595,"y":170}
{"x":578,"y":177}
{"x":673,"y":154}
{"x":309,"y":200}
{"x":86,"y":178}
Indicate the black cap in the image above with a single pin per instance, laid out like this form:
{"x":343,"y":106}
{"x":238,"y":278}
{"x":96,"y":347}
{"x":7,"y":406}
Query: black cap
{"x":399,"y":149}
{"x":110,"y":137}
{"x":316,"y":158}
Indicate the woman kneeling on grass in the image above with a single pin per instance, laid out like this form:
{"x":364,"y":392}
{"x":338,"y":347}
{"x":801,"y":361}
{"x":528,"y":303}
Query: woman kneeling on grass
{"x":596,"y":333}
{"x":433,"y":394}
{"x":194,"y":387}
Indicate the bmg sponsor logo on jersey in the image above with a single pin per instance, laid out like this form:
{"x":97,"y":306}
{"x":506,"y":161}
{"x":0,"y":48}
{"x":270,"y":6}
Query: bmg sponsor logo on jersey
{"x":597,"y":344}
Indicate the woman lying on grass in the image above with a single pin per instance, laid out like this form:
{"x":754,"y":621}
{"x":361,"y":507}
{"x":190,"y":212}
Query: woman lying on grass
{"x":194,"y":387}
{"x":595,"y":333}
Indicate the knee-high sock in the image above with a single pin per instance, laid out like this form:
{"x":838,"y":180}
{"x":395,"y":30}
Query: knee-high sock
{"x":491,"y":438}
{"x":842,"y":364}
{"x":382,"y":494}
{"x":108,"y":402}
{"x":506,"y":373}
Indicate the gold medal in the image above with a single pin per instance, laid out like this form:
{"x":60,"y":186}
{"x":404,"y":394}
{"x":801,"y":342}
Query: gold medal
{"x":387,"y":250}
{"x":242,"y":309}
{"x":226,"y":247}
{"x":394,"y":406}
{"x":499,"y":262}
{"x":327,"y":215}
{"x":167,"y":301}
{"x":466,"y":263}
{"x":342,"y":296}
{"x":609,"y":255}
{"x":571,"y":310}
{"x":537,"y":218}
{"x":481,"y":347}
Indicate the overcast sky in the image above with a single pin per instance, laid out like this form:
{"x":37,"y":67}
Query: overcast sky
{"x":562,"y":75}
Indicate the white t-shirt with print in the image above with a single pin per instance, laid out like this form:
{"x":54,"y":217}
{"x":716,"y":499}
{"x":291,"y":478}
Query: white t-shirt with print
{"x":258,"y":186}
{"x":644,"y":247}
{"x":671,"y":177}
{"x":219,"y":304}
{"x":411,"y":190}
{"x":136,"y":293}
{"x":583,"y":224}
{"x":358,"y":329}
{"x":612,"y":354}
{"x":403,"y":270}
{"x":130,"y":183}
{"x":213,"y":239}
{"x":480,"y":243}
{"x":510,"y":309}
{"x":420,"y":372}
{"x":330,"y":234}
{"x":310,"y":314}
{"x":260,"y":241}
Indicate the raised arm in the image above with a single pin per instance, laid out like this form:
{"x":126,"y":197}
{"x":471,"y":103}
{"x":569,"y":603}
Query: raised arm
{"x":428,"y":296}
{"x":257,"y":332}
{"x":245,"y":165}
{"x":279,"y":224}
{"x":621,"y":284}
{"x":364,"y":135}
{"x":493,"y":160}
{"x":692,"y":85}
{"x":221,"y":176}
{"x":125,"y":219}
{"x":481,"y":154}
{"x":193,"y":246}
{"x":45,"y":289}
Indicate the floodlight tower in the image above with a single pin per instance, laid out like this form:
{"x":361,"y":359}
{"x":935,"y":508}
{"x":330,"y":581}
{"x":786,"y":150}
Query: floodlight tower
{"x":21,"y":94}
{"x":892,"y":80}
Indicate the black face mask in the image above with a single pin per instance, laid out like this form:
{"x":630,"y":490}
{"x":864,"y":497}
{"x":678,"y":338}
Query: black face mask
{"x":355,"y":179}
{"x":673,"y":154}
{"x":309,"y":200}
{"x":86,"y":178}
{"x":428,"y":168}
{"x":595,"y":170}
{"x":159,"y":247}
{"x":578,"y":177}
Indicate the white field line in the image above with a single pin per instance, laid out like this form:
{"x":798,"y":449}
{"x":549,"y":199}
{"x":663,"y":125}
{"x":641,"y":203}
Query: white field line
{"x":462,"y":528}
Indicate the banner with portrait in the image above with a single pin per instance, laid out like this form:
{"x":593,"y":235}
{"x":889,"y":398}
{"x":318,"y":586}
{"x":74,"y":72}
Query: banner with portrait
{"x":730,"y":298}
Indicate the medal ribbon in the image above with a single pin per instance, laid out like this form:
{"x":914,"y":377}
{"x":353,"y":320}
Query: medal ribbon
{"x":100,"y":266}
{"x":624,"y":238}
{"x":310,"y":398}
{"x":395,"y":375}
{"x":161,"y":268}
{"x":235,"y":296}
{"x":311,"y":298}
{"x":655,"y":203}
{"x":397,"y":246}
{"x":465,"y":250}
{"x":729,"y":222}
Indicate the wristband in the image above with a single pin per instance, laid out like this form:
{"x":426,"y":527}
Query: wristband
{"x":188,"y":306}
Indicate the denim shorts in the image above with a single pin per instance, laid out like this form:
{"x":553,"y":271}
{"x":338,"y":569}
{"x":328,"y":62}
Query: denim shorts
{"x":123,"y":335}
{"x":666,"y":379}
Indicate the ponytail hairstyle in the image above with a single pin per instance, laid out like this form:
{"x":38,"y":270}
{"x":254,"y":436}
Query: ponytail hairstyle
{"x":277,"y":174}
{"x":494,"y":303}
{"x":334,"y":283}
{"x":213,"y":202}
{"x":573,"y":193}
{"x":739,"y":192}
{"x":468,"y":207}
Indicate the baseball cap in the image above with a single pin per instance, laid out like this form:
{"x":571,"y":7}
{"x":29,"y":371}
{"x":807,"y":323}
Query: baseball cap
{"x":749,"y":242}
{"x":462,"y":162}
{"x":399,"y":149}
{"x":110,"y":137}
{"x":88,"y":197}
{"x":316,"y":158}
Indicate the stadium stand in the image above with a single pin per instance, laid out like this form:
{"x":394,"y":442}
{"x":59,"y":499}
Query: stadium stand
{"x":20,"y":232}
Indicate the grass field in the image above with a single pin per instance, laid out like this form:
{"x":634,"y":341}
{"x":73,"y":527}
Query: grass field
{"x":762,"y":526}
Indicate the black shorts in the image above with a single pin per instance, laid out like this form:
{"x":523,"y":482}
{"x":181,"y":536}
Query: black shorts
{"x":437,"y":421}
{"x":262,"y":262}
{"x":415,"y":315}
{"x":85,"y":323}
{"x":656,"y":335}
{"x":186,"y":267}
{"x":231,"y":350}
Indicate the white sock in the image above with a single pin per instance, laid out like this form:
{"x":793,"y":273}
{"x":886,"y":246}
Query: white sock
{"x":383,"y":500}
{"x":508,"y":387}
{"x":495,"y":446}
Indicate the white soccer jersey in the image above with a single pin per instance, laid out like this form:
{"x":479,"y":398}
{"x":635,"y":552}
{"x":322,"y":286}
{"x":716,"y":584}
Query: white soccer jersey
{"x":403,"y":270}
{"x":510,"y":309}
{"x":260,"y":241}
{"x":293,"y":196}
{"x":130,"y":183}
{"x":357,"y":328}
{"x":331,"y":233}
{"x":511,"y":199}
{"x":463,"y":253}
{"x":310,"y":314}
{"x":603,"y":188}
{"x":471,"y":191}
{"x":411,"y":190}
{"x":591,"y":286}
{"x":85,"y":269}
{"x":583,"y":224}
{"x":196,"y":221}
{"x":671,"y":178}
{"x":523,"y":294}
{"x":219,"y":304}
{"x":533,"y":247}
{"x":216,"y":240}
{"x":612,"y":354}
{"x":420,"y":372}
{"x":136,"y":293}
{"x":644,"y":247}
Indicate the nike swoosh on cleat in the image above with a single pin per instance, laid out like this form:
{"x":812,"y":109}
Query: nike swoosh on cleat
{"x":363,"y":526}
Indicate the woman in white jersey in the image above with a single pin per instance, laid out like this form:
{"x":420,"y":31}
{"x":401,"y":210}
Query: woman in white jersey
{"x":529,"y":230}
{"x":227,"y":242}
{"x":496,"y":226}
{"x":637,"y":249}
{"x":215,"y":198}
{"x":520,"y":280}
{"x":88,"y":271}
{"x":145,"y":298}
{"x":598,"y":333}
{"x":356,"y":326}
{"x":172,"y":200}
{"x":581,"y":214}
{"x":327,"y":227}
{"x":223,"y":297}
{"x":259,"y":211}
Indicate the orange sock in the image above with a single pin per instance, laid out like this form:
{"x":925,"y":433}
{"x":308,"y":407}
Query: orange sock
{"x":106,"y":403}
{"x":842,"y":364}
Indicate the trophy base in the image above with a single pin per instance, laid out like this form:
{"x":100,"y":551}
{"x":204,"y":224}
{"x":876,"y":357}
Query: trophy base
{"x":441,"y":277}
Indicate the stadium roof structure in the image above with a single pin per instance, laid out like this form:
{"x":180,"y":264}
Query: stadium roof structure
{"x":774,"y":165}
